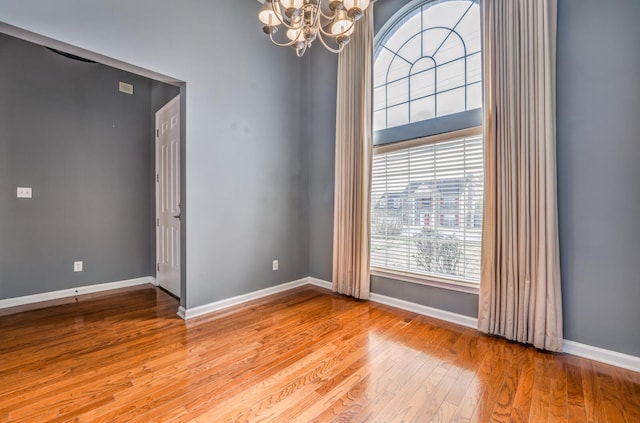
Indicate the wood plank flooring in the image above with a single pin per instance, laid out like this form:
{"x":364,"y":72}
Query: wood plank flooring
{"x":302,"y":356}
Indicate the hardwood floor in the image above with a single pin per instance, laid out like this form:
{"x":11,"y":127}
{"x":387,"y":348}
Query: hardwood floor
{"x":300,"y":356}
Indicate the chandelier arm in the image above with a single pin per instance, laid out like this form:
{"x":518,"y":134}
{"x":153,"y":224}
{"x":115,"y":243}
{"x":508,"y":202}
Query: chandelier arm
{"x":316,"y":20}
{"x":331,"y":49}
{"x":289,"y":44}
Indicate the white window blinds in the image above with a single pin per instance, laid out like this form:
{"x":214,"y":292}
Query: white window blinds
{"x":426,"y":207}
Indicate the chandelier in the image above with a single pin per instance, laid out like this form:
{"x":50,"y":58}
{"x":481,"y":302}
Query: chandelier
{"x":304,"y":21}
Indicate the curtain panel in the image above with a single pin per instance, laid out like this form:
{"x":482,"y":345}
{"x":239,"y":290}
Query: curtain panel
{"x":520,"y":296}
{"x":354,"y":134}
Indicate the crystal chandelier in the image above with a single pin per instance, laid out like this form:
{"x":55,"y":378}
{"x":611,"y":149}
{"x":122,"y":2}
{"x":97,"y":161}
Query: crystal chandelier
{"x":304,"y":21}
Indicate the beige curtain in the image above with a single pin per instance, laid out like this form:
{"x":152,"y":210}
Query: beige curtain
{"x":520,"y":295}
{"x":353,"y":162}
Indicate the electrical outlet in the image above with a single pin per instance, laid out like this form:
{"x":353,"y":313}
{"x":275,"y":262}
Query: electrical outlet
{"x":24,"y":192}
{"x":77,"y":266}
{"x":275,"y":265}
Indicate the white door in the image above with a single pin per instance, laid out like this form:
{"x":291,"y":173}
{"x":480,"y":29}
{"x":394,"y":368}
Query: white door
{"x":168,"y":196}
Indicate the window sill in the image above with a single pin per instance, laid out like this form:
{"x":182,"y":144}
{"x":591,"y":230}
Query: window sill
{"x":450,"y":284}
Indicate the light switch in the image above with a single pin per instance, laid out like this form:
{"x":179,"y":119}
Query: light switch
{"x":24,"y":192}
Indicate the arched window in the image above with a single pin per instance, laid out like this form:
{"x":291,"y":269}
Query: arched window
{"x":427,"y":171}
{"x":428,"y":64}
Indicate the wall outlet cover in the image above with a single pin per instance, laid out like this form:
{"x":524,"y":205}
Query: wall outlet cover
{"x":77,"y":266}
{"x":24,"y":192}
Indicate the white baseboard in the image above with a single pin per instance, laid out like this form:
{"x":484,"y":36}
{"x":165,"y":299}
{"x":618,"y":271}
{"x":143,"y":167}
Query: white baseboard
{"x":602,"y":355}
{"x":320,"y":283}
{"x":447,"y":316}
{"x":182,"y":313}
{"x":72,"y":292}
{"x":413,"y":307}
{"x":192,"y":312}
{"x":409,"y":306}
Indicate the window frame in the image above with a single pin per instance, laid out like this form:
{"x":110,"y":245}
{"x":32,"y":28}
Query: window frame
{"x":443,"y":123}
{"x":466,"y":123}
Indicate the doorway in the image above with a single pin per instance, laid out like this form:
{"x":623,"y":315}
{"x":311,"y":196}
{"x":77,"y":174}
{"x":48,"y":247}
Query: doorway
{"x":163,"y":88}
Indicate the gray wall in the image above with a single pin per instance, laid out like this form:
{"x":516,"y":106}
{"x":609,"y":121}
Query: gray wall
{"x":245,"y":184}
{"x":67,"y":132}
{"x":321,"y":67}
{"x":443,"y":299}
{"x":599,"y":172}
